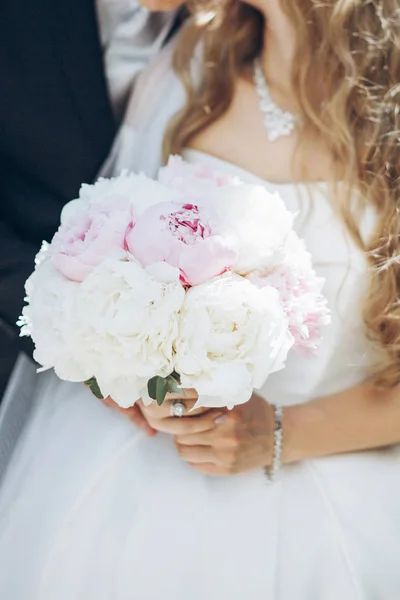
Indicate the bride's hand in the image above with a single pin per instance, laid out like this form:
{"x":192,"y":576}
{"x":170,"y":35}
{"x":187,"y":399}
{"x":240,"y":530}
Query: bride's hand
{"x":134,"y":414}
{"x":194,"y":421}
{"x":241,"y":440}
{"x":155,"y":418}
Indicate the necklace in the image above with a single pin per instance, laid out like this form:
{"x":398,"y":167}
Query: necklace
{"x":278,"y":123}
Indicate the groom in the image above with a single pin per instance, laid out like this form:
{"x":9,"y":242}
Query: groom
{"x":67,"y":68}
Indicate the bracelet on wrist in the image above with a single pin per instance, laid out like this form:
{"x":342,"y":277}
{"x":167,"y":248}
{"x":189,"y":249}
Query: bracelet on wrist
{"x":272,"y":471}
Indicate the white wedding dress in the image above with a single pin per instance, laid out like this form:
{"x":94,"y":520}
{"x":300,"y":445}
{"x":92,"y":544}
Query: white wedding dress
{"x":92,"y":509}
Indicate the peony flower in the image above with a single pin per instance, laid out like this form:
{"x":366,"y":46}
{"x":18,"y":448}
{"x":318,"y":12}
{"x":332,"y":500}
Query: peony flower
{"x":50,"y":318}
{"x":253,"y":221}
{"x":139,"y":190}
{"x":300,"y":292}
{"x":89,"y":237}
{"x":43,"y":254}
{"x":183,"y":236}
{"x":192,"y":179}
{"x":232,"y":336}
{"x":194,"y":274}
{"x":129,"y":319}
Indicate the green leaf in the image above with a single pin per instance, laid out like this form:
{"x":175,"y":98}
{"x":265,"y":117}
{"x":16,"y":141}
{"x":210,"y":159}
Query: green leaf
{"x":173,"y":386}
{"x":152,"y":387}
{"x":94,"y":388}
{"x":161,"y":390}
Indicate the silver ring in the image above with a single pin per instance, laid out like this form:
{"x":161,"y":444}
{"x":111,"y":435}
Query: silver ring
{"x":178,"y":409}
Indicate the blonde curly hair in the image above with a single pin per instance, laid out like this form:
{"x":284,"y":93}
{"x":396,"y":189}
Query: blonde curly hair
{"x":353,"y":46}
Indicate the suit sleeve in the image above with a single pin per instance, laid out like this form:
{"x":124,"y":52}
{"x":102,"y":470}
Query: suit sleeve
{"x":16,"y":264}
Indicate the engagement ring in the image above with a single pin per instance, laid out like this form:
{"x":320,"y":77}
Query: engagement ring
{"x":178,"y":409}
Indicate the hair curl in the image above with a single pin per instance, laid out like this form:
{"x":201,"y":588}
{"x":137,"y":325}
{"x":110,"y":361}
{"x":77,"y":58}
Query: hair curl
{"x":353,"y":46}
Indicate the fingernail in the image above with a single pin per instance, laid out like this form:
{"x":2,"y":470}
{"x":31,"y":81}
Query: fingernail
{"x":221,"y":419}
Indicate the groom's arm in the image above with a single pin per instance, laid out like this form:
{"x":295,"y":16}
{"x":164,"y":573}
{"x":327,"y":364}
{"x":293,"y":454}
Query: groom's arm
{"x":16,"y":254}
{"x":16,"y":264}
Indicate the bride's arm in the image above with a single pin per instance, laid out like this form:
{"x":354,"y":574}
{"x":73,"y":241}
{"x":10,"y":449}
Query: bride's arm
{"x":357,"y":419}
{"x":360,"y":418}
{"x":240,"y":440}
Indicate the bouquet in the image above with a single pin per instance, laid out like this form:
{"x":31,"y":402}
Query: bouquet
{"x":193,"y":280}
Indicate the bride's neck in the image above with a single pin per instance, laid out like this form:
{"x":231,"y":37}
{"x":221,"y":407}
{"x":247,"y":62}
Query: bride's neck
{"x":279,"y":46}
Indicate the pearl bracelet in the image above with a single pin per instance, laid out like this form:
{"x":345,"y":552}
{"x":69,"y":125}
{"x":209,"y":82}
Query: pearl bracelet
{"x":278,"y":444}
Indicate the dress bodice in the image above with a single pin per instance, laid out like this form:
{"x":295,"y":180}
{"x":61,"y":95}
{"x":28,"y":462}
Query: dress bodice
{"x":345,"y":354}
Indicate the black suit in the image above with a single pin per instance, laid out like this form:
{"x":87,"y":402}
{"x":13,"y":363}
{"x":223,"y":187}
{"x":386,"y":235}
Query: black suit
{"x":56,"y":128}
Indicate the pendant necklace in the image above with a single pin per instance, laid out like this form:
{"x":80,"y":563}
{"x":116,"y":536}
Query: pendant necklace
{"x":278,"y":123}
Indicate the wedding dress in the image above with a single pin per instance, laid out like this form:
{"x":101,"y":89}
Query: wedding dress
{"x":92,"y":509}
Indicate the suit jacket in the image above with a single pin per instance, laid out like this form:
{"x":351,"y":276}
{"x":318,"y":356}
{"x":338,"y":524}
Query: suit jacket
{"x":56,"y":129}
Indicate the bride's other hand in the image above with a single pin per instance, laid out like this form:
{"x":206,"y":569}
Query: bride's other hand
{"x":241,"y":440}
{"x":134,"y":414}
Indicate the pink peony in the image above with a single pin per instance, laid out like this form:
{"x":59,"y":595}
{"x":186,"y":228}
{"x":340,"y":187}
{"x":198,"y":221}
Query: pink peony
{"x":300,"y":291}
{"x":193,"y":179}
{"x":182,"y":236}
{"x":91,"y":236}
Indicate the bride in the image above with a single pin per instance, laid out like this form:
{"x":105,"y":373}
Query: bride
{"x":301,"y":97}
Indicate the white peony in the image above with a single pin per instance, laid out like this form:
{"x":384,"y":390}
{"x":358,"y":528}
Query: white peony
{"x":129,"y":319}
{"x":50,"y":318}
{"x":254,"y":220}
{"x":232,"y":336}
{"x":139,"y":189}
